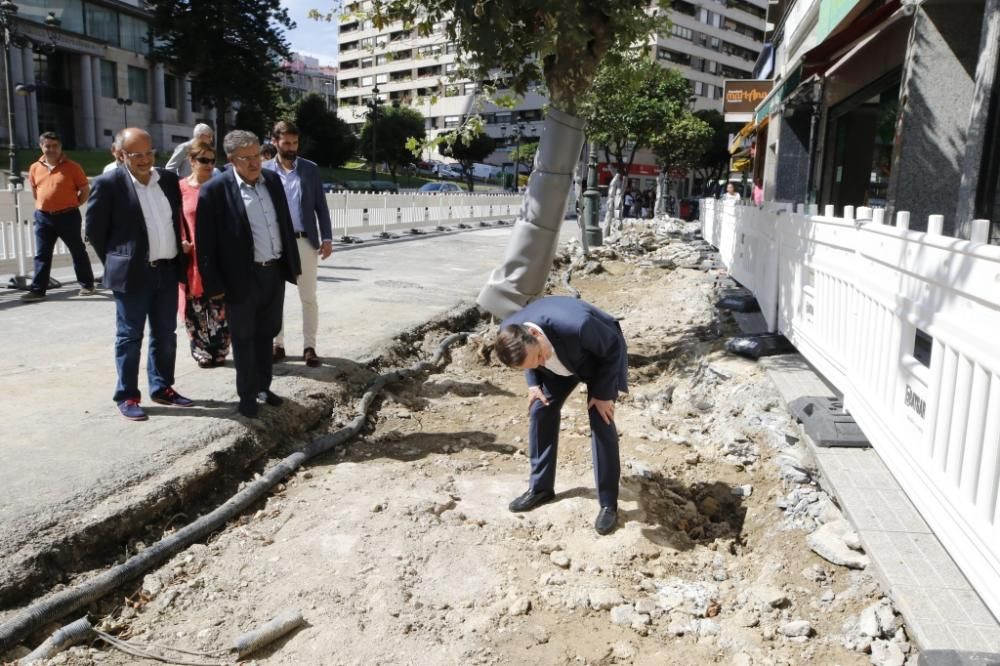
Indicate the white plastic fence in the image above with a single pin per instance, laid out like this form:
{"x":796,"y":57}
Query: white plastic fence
{"x":351,"y":214}
{"x":903,"y":323}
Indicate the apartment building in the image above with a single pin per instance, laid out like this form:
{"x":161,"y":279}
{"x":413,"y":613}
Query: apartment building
{"x":304,"y":75}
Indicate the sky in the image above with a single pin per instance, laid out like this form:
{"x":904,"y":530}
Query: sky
{"x":313,"y":38}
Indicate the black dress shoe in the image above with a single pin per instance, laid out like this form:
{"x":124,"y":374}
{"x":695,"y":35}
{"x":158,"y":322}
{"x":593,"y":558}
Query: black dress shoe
{"x":248,"y":410}
{"x":606,"y":520}
{"x":530,"y":500}
{"x":270,"y":398}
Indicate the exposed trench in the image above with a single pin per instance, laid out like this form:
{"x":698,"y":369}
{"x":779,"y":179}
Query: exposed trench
{"x":112,"y":537}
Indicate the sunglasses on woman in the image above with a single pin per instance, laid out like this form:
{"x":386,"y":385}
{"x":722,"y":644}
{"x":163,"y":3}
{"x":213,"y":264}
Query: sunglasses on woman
{"x":205,"y":160}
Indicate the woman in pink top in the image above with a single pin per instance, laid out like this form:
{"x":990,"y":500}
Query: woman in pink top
{"x":204,"y":317}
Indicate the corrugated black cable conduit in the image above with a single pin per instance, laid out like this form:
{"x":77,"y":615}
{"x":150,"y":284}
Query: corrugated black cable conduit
{"x":62,"y":603}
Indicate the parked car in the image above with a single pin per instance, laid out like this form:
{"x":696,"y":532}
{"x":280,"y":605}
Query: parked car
{"x":450,"y":171}
{"x":440,"y":188}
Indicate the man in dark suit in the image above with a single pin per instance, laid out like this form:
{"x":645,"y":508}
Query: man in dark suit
{"x":313,"y":234}
{"x":560,"y":342}
{"x":246,"y":252}
{"x":133,"y":223}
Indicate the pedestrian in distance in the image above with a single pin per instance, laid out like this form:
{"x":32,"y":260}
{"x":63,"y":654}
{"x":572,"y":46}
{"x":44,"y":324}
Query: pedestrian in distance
{"x":116,"y":161}
{"x":60,"y":188}
{"x":178,"y":162}
{"x":268,"y":151}
{"x":313,"y":233}
{"x":560,"y":342}
{"x":731,"y":194}
{"x":133,"y":223}
{"x":246,"y":250}
{"x":204,"y":317}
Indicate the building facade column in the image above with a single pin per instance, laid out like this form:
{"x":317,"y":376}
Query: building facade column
{"x":187,"y":114}
{"x":88,"y":138}
{"x":95,"y":76}
{"x":28,"y":77}
{"x":158,"y":106}
{"x":21,"y":110}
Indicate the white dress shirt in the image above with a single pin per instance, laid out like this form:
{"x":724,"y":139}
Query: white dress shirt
{"x":158,"y":217}
{"x":553,"y":365}
{"x":293,"y":192}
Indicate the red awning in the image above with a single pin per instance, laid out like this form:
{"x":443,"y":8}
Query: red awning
{"x":817,"y":59}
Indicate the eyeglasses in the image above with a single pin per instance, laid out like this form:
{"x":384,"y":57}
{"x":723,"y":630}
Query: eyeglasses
{"x":205,"y":160}
{"x":149,"y":155}
{"x":243,"y":159}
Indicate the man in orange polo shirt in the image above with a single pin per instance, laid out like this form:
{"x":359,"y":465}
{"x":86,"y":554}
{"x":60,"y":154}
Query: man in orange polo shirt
{"x":60,"y":188}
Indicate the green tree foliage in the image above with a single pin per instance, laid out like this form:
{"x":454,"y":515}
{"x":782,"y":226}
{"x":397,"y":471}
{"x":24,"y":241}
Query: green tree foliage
{"x":524,"y":155}
{"x":469,"y":151}
{"x":560,"y":43}
{"x":394,"y":127}
{"x":232,"y":49}
{"x":631,"y":100}
{"x":324,"y":138}
{"x":681,"y":144}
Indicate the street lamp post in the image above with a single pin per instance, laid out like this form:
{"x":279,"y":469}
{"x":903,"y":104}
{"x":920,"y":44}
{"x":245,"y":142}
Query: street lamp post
{"x":125,"y":103}
{"x":373,"y":104}
{"x":592,"y":203}
{"x":518,"y":130}
{"x":11,"y":37}
{"x":24,"y":90}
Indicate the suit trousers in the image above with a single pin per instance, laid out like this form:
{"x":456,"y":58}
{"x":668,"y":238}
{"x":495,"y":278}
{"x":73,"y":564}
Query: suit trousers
{"x":543,"y":441}
{"x":253,"y":323}
{"x":48,"y":230}
{"x":306,"y":284}
{"x":157,"y":303}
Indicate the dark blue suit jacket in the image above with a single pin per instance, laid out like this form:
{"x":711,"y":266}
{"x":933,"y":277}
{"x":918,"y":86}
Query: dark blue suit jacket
{"x":587,"y":340}
{"x":313,"y":201}
{"x":225,"y":242}
{"x":116,"y":228}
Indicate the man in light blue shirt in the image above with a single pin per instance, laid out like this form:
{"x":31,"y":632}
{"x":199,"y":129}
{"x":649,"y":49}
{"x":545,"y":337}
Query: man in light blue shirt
{"x":313,"y":233}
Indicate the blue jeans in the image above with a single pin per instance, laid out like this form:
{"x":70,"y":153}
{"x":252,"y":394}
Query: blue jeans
{"x":158,"y":303}
{"x":48,"y":230}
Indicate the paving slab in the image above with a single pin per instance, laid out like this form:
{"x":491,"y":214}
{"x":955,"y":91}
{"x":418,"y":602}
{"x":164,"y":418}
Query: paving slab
{"x":941,"y":609}
{"x":71,"y":461}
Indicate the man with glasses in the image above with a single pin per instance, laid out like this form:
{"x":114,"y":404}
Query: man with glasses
{"x":133,"y":223}
{"x":313,"y":233}
{"x":246,"y":251}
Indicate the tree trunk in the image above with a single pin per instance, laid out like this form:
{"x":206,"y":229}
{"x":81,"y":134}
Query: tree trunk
{"x":661,"y":193}
{"x":533,"y":241}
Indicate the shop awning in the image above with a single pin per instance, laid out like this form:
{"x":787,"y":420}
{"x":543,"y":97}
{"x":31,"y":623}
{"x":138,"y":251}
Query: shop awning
{"x":741,"y":136}
{"x":820,"y":58}
{"x":778,"y":95}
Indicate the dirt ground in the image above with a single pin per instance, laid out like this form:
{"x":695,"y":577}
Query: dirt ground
{"x":399,"y":548}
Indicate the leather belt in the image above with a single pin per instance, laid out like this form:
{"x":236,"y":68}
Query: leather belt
{"x":301,"y":234}
{"x":61,"y":212}
{"x":160,"y":262}
{"x":265,"y":264}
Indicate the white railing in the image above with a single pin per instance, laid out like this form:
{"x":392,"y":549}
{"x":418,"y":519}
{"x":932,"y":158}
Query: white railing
{"x":351,"y":213}
{"x":904,"y":324}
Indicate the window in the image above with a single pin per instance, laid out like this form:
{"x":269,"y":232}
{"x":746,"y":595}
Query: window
{"x":69,"y":13}
{"x":133,"y":33}
{"x":367,"y":81}
{"x":470,"y":88}
{"x":452,"y":121}
{"x":682,"y":32}
{"x":102,"y":23}
{"x":109,"y":79}
{"x":381,"y":78}
{"x":138,"y":84}
{"x":170,"y":91}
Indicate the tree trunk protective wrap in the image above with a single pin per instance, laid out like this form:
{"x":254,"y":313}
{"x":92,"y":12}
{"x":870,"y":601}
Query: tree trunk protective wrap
{"x":535,"y":235}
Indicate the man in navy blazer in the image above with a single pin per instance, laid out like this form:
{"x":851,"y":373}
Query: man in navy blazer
{"x":560,"y":342}
{"x":246,"y":253}
{"x":133,"y":223}
{"x":311,"y":223}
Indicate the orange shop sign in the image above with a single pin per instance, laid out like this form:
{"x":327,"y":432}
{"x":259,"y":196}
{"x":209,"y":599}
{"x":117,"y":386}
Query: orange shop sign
{"x":743,"y":96}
